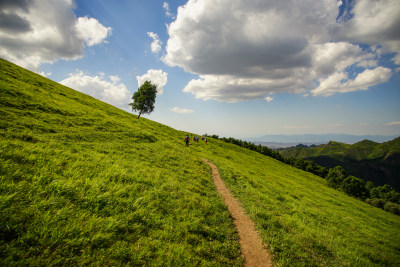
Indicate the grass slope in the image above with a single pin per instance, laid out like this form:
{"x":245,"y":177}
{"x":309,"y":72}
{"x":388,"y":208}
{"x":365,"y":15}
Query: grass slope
{"x":377,"y":162}
{"x":82,"y":182}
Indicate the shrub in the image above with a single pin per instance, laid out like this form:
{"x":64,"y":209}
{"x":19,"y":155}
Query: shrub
{"x":354,"y":186}
{"x":385,"y":192}
{"x":376,"y":202}
{"x":336,"y":176}
{"x":392,"y":208}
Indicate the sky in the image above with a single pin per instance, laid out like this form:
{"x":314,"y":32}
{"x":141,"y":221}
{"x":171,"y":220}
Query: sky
{"x":228,"y":67}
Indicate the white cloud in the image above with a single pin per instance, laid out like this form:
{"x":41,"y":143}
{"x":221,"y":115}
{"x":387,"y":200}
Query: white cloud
{"x":394,"y":123}
{"x":226,"y":88}
{"x":157,"y":77}
{"x":339,"y":82}
{"x":91,"y":31}
{"x":112,"y":92}
{"x":375,"y":23}
{"x":44,"y":74}
{"x":269,"y":99}
{"x":156,"y":44}
{"x":168,"y":11}
{"x":115,"y":79}
{"x":182,"y":110}
{"x":330,"y":57}
{"x":246,"y":50}
{"x":44,"y":31}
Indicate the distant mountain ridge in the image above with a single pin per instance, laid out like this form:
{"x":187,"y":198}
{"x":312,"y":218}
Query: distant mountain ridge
{"x":321,"y":138}
{"x":371,"y":161}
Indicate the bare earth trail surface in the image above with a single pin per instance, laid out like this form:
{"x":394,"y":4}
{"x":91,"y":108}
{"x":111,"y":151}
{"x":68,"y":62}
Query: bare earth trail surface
{"x":252,"y":248}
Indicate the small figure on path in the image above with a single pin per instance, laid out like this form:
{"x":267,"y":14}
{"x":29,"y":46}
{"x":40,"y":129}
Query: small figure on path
{"x":205,"y":140}
{"x":187,"y":140}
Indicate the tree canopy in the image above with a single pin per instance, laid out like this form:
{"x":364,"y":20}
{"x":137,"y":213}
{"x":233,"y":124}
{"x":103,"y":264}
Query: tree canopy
{"x":144,"y":98}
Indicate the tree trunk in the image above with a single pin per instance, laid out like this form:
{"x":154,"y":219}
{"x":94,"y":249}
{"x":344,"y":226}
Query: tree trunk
{"x":140,"y":113}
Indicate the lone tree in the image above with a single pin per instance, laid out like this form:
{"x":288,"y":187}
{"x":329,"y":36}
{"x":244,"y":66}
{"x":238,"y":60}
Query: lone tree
{"x":144,"y":98}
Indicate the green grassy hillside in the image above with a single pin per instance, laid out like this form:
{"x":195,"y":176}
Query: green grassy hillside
{"x":376,"y":162}
{"x":82,"y":182}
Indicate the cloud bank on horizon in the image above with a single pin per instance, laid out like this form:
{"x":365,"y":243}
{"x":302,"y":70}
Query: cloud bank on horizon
{"x":249,"y":49}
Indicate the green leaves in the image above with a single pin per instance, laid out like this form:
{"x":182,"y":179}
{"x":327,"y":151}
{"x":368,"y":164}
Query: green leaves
{"x":144,"y":98}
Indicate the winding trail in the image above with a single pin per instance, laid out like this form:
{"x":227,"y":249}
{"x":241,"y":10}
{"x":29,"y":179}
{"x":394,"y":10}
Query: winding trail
{"x":250,"y":242}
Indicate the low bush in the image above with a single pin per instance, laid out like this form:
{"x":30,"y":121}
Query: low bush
{"x":392,"y":208}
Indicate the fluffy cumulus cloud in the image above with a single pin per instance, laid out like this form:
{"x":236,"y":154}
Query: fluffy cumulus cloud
{"x":157,"y":77}
{"x":340,"y":83}
{"x":38,"y":31}
{"x":246,"y":50}
{"x":111,"y":91}
{"x":375,"y":23}
{"x":91,"y":31}
{"x":182,"y":110}
{"x":156,"y":44}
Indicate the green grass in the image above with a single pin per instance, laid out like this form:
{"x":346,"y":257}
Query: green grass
{"x":82,"y":182}
{"x":303,"y":221}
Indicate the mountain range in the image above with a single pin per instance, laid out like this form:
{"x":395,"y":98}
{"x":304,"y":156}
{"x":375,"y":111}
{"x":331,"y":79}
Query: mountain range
{"x":318,"y":139}
{"x":371,"y":161}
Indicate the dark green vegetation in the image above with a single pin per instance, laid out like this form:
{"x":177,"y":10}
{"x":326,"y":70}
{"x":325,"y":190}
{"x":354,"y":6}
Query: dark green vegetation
{"x":144,"y":98}
{"x":376,"y":162}
{"x":367,"y":163}
{"x":82,"y":182}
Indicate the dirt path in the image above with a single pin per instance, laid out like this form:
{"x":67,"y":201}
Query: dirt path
{"x":252,"y":248}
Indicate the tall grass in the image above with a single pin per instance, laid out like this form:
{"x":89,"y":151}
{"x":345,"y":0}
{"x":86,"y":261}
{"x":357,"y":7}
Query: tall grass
{"x":83,"y":183}
{"x":303,"y":221}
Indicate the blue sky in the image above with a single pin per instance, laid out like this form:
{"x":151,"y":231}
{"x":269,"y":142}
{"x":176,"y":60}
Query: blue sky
{"x":233,"y":68}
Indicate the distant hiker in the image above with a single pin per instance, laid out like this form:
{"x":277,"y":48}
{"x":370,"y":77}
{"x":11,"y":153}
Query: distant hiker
{"x":205,"y":140}
{"x":197,"y":139}
{"x":187,"y":140}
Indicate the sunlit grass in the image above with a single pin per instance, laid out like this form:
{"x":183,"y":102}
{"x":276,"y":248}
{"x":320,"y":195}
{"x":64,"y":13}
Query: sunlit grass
{"x":83,"y":183}
{"x":303,"y":220}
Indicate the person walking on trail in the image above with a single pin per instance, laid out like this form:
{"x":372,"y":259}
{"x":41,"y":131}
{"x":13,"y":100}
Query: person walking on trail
{"x":187,"y":140}
{"x":205,"y":140}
